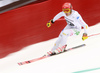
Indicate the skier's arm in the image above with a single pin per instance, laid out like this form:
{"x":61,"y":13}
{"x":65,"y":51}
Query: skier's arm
{"x":59,"y":15}
{"x":85,"y":26}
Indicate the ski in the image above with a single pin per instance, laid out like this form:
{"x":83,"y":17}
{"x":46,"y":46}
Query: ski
{"x":43,"y":57}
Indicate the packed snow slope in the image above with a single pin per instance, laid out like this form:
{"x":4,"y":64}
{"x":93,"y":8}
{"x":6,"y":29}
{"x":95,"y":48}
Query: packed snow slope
{"x":81,"y":60}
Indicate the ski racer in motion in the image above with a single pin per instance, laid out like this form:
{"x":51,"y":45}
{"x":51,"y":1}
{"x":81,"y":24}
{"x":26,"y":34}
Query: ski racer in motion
{"x":73,"y":27}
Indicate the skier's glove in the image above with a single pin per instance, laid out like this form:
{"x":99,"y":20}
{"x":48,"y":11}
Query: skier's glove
{"x":50,"y":23}
{"x":84,"y":37}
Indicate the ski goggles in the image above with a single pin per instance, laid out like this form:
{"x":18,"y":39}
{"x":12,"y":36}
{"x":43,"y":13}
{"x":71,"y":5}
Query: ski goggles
{"x":67,"y":10}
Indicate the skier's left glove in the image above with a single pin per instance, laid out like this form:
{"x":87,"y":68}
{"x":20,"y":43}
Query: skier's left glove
{"x":84,"y":37}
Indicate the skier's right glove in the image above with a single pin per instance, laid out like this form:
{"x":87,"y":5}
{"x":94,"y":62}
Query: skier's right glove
{"x":50,"y":23}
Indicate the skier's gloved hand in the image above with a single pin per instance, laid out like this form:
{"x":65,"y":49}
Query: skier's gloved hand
{"x":84,"y":37}
{"x":50,"y":23}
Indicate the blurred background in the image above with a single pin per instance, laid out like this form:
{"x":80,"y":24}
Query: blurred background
{"x":23,"y":22}
{"x":6,"y":5}
{"x":6,"y":2}
{"x":24,"y":36}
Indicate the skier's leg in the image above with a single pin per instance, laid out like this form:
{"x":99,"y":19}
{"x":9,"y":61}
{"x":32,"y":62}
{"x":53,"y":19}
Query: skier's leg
{"x":56,"y":45}
{"x":62,"y":40}
{"x":65,"y":34}
{"x":62,"y":44}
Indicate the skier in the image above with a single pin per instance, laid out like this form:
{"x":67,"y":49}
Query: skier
{"x":73,"y":27}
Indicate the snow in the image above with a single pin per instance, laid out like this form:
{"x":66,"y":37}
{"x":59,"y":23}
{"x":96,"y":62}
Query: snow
{"x":81,"y":60}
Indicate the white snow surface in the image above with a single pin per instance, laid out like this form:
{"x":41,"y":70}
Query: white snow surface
{"x":80,"y":59}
